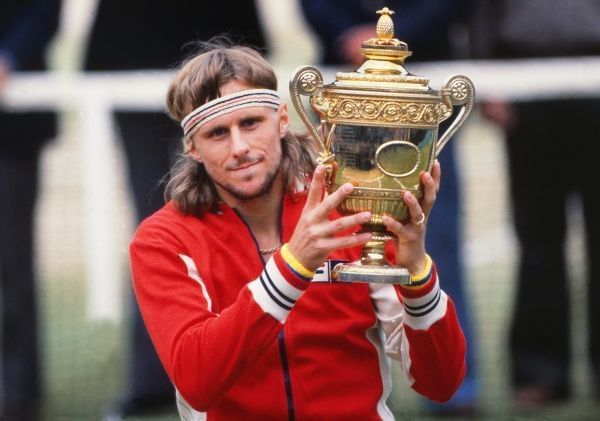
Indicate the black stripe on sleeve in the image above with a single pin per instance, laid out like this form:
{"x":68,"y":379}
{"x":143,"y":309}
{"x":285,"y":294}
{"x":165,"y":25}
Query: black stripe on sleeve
{"x":431,"y":304}
{"x":281,"y":294}
{"x":275,"y":299}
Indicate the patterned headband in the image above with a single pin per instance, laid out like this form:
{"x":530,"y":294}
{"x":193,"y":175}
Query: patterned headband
{"x":225,"y":105}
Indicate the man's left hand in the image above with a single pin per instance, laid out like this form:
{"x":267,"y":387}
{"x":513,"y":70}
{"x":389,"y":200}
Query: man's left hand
{"x":410,"y":236}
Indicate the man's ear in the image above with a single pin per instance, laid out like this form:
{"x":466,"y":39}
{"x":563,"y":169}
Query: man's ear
{"x":194,"y":154}
{"x":284,"y":120}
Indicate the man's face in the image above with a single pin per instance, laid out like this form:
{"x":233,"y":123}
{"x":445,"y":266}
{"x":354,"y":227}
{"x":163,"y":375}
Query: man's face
{"x":241,"y":151}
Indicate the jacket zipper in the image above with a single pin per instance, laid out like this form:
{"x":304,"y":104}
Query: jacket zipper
{"x":287,"y":380}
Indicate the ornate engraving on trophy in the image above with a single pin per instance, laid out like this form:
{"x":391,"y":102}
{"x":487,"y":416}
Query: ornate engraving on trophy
{"x":383,"y":111}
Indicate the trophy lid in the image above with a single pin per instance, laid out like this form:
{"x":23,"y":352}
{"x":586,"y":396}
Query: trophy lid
{"x":384,"y":61}
{"x":381,"y":92}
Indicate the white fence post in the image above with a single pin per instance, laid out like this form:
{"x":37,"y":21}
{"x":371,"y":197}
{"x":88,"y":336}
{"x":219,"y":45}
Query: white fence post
{"x":93,"y":97}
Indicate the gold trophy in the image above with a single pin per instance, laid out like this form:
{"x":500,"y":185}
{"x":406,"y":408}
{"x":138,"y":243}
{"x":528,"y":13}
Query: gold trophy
{"x":378,"y":130}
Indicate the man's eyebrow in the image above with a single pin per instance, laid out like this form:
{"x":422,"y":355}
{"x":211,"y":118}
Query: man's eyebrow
{"x":254,"y":116}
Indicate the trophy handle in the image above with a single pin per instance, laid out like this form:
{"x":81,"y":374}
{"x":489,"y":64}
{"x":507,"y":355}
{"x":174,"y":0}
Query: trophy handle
{"x":305,"y":81}
{"x":458,"y":90}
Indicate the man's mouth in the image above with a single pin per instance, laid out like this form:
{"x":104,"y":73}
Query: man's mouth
{"x":245,"y":164}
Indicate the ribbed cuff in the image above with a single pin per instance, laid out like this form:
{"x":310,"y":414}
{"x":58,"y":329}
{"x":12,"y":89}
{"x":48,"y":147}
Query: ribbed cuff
{"x":425,"y":305}
{"x":276,"y":290}
{"x":424,"y":287}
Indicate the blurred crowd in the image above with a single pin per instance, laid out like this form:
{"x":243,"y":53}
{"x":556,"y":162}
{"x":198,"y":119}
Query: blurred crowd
{"x":156,"y":35}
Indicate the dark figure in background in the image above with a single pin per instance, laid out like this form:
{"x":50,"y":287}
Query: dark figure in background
{"x":26,"y":27}
{"x":424,"y":25}
{"x":145,"y":35}
{"x":543,"y":139}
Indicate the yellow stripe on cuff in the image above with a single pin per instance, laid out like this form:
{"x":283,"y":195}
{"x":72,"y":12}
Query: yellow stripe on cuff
{"x":424,"y":273}
{"x":294,"y":263}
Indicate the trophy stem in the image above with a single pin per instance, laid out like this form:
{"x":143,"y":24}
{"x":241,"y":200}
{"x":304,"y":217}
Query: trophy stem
{"x":373,"y":253}
{"x":372,"y":266}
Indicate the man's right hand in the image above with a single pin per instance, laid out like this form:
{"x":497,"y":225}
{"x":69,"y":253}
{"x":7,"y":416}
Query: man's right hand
{"x":314,"y":237}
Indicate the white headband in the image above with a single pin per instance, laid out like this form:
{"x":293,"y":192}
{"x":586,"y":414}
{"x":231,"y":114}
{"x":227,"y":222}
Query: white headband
{"x":225,"y":105}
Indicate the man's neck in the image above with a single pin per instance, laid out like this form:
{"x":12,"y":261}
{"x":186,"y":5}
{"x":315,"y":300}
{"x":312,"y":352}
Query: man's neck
{"x":262,"y":215}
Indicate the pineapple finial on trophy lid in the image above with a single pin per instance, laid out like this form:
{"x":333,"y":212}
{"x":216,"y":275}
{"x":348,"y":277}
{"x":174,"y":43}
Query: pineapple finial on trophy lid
{"x":384,"y":53}
{"x":385,"y":25}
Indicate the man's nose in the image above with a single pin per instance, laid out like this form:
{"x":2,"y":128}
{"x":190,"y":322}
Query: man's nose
{"x":239,"y":144}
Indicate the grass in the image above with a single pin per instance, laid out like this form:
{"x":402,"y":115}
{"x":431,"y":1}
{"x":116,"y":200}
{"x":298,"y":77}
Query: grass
{"x":84,"y":361}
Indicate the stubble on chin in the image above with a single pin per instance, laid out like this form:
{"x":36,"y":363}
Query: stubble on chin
{"x":263,"y":190}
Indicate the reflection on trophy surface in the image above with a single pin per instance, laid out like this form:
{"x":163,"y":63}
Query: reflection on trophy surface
{"x":378,"y":130}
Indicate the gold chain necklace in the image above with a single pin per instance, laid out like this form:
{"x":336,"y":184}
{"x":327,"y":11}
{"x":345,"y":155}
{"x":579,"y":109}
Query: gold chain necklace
{"x":270,"y":250}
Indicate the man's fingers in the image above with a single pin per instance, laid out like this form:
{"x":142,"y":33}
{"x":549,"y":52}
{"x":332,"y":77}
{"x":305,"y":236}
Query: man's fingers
{"x":332,"y":227}
{"x":417,"y":213}
{"x":429,"y":192}
{"x":392,"y":225}
{"x":347,"y":241}
{"x":315,"y":191}
{"x":436,"y":174}
{"x":431,"y":185}
{"x":332,"y":201}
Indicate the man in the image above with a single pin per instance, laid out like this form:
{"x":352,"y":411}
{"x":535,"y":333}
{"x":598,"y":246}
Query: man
{"x":26,"y":28}
{"x":232,"y":274}
{"x":146,"y":35}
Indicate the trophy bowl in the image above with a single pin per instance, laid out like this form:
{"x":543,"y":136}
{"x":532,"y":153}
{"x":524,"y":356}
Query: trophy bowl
{"x":378,"y":130}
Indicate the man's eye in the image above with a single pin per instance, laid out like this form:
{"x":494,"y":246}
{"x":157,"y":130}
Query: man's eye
{"x":218,"y":132}
{"x":249,"y":122}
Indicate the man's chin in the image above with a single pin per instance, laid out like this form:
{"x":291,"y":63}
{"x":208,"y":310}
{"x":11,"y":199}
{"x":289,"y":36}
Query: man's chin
{"x":251,"y":187}
{"x":249,"y":192}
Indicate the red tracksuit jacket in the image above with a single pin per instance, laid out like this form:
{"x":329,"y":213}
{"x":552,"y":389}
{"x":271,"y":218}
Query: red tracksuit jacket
{"x":241,"y":338}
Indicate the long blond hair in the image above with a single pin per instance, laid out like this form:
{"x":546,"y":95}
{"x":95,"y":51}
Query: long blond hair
{"x":198,"y":81}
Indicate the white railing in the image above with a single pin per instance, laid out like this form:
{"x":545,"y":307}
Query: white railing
{"x":91,"y":97}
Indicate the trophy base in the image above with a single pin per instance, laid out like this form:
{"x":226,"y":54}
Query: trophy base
{"x":374,"y":274}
